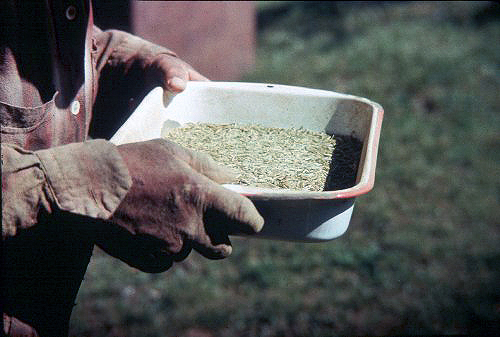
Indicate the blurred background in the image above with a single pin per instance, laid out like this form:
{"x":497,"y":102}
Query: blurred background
{"x":422,"y":253}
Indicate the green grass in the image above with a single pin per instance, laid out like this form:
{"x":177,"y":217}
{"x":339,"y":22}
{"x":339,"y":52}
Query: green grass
{"x":422,"y":254}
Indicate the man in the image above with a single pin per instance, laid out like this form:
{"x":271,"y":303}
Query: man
{"x":146,"y":203}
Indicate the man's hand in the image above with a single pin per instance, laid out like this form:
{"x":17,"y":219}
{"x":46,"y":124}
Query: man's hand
{"x":175,"y":73}
{"x":114,"y":47}
{"x":175,"y":204}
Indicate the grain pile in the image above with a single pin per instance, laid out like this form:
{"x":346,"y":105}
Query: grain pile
{"x":264,"y":157}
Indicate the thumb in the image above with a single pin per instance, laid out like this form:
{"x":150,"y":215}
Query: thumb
{"x":235,"y":211}
{"x":176,"y":84}
{"x":202,"y":163}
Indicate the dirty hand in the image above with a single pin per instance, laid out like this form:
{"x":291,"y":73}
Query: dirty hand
{"x":175,"y":73}
{"x":174,"y":205}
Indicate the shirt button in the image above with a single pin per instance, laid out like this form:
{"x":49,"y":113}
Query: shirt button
{"x":71,"y":13}
{"x":75,"y":107}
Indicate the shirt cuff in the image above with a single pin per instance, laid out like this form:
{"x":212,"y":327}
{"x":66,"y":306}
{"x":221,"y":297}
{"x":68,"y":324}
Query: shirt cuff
{"x":89,"y":178}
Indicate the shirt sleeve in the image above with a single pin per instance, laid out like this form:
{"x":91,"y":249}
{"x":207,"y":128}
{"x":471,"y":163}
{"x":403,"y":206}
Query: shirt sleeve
{"x":88,"y":178}
{"x":114,"y":48}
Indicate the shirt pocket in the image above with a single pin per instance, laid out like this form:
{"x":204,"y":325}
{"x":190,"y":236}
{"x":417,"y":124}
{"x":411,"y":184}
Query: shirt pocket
{"x":41,"y":127}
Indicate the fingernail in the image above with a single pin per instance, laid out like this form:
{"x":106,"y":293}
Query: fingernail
{"x":226,"y":251}
{"x":176,"y":84}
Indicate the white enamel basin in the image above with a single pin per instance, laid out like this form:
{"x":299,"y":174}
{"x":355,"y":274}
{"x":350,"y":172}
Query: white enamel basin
{"x":288,"y":214}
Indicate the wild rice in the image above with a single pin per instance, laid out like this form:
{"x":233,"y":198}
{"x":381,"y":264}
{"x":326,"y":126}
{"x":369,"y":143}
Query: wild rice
{"x":264,"y":157}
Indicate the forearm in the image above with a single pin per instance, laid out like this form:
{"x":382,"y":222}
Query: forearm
{"x":88,"y":179}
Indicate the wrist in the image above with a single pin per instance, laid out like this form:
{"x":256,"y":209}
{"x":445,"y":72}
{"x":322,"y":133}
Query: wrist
{"x":88,"y":178}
